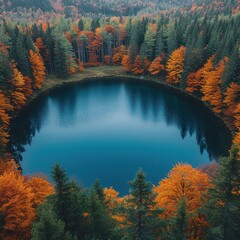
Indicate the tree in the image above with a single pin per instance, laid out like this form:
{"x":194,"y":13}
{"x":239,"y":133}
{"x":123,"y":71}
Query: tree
{"x":186,"y":182}
{"x":237,"y":124}
{"x":40,"y":188}
{"x":16,"y":206}
{"x":5,"y":108}
{"x":48,"y":226}
{"x":232,"y":98}
{"x":175,"y":66}
{"x":38,"y":69}
{"x":179,"y":223}
{"x":62,"y":192}
{"x":101,"y":225}
{"x":142,"y":216}
{"x":126,"y":63}
{"x":140,"y":65}
{"x":149,"y":42}
{"x":194,"y":81}
{"x":211,"y":88}
{"x":157,"y":66}
{"x":223,"y":206}
{"x":17,"y":95}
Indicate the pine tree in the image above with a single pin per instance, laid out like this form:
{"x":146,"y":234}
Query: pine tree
{"x":48,"y":226}
{"x":101,"y":225}
{"x":62,"y":196}
{"x":179,"y":223}
{"x":143,"y":221}
{"x":223,"y":207}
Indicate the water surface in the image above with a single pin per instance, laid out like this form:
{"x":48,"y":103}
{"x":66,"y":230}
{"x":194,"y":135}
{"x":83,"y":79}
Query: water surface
{"x":108,"y":129}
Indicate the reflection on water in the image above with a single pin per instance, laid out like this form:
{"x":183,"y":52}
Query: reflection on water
{"x":110,"y":129}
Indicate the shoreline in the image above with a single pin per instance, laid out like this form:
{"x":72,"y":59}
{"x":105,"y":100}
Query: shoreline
{"x":105,"y":72}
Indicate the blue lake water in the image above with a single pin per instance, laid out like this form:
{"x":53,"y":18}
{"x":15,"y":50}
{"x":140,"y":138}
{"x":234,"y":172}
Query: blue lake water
{"x":108,"y":129}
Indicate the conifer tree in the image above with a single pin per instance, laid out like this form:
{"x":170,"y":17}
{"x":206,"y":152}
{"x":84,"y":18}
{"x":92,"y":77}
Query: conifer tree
{"x":142,"y":215}
{"x":223,"y":207}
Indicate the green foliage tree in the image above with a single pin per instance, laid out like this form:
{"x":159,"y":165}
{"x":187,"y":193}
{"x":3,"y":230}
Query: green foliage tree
{"x":143,"y":221}
{"x":223,"y":207}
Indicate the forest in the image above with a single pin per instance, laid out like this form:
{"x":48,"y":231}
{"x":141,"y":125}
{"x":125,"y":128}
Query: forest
{"x":190,"y":46}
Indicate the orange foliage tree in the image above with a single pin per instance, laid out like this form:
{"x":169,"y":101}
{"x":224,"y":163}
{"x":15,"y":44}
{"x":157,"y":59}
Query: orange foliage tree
{"x":16,"y":206}
{"x":194,"y":81}
{"x":107,"y":59}
{"x":40,"y":188}
{"x":232,"y":97}
{"x":126,"y":63}
{"x":237,"y":124}
{"x":118,"y":55}
{"x":19,"y":198}
{"x":186,"y":182}
{"x":27,"y":88}
{"x":17,"y":95}
{"x":157,"y":65}
{"x":5,"y":107}
{"x":140,"y":65}
{"x":175,"y":64}
{"x":38,"y":69}
{"x":211,"y":88}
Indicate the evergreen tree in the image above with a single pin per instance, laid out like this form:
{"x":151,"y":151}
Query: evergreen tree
{"x":48,"y":226}
{"x":99,"y":191}
{"x":232,"y":70}
{"x":141,"y":212}
{"x":223,"y":207}
{"x":101,"y":225}
{"x":178,"y":224}
{"x":62,"y":195}
{"x":147,"y":49}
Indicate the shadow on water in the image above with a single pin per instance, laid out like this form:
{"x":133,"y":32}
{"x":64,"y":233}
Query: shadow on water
{"x":93,"y":102}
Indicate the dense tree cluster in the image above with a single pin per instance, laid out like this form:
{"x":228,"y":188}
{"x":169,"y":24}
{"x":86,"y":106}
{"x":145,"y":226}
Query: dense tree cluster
{"x":186,"y":48}
{"x":188,"y":204}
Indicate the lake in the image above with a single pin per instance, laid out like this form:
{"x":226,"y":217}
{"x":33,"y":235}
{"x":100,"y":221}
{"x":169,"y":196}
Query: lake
{"x":110,"y":128}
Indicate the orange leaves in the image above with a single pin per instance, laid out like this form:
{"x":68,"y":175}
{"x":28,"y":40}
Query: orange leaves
{"x":194,"y":81}
{"x":237,"y":116}
{"x":118,"y":56}
{"x":140,"y":65}
{"x":232,"y":96}
{"x":126,"y":63}
{"x":107,"y":59}
{"x":17,"y":94}
{"x":40,"y":188}
{"x":183,"y":181}
{"x":237,"y":124}
{"x":80,"y":66}
{"x":8,"y":166}
{"x":16,"y":205}
{"x":38,"y":69}
{"x":27,"y":88}
{"x":18,"y":200}
{"x":212,"y":79}
{"x":156,"y":66}
{"x":175,"y":65}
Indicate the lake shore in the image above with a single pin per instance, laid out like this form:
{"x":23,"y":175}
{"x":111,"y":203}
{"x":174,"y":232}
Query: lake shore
{"x":53,"y":82}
